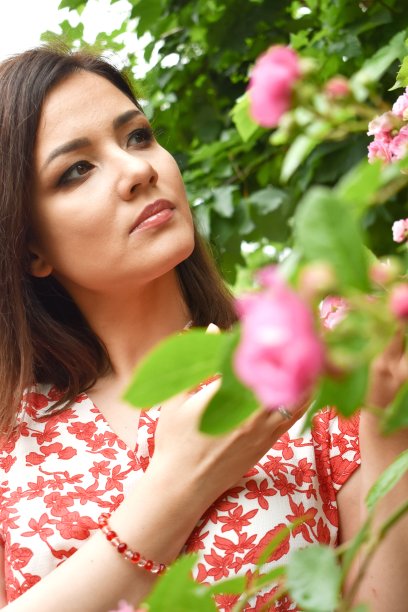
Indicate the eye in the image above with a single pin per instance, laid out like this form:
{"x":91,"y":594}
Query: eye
{"x":75,"y":172}
{"x":141,"y":136}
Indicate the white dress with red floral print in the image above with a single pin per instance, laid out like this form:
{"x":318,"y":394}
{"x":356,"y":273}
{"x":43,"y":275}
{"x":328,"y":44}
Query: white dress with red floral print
{"x":63,"y":469}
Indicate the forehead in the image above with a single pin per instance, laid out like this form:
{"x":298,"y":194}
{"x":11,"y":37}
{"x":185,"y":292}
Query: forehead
{"x":82,"y":101}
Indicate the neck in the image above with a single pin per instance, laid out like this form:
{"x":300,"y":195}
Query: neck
{"x":130,"y":325}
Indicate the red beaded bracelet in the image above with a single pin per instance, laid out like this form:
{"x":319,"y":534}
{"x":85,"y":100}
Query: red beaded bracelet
{"x":122,"y":548}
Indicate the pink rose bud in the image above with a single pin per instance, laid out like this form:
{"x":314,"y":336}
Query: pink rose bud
{"x":400,"y":230}
{"x":271,"y":84}
{"x":399,"y":301}
{"x":280,"y":355}
{"x":385,"y":272}
{"x":316,"y":280}
{"x":333,"y":310}
{"x":337,"y":87}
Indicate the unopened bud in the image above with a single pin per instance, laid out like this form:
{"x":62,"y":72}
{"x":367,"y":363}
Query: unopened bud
{"x":316,"y":280}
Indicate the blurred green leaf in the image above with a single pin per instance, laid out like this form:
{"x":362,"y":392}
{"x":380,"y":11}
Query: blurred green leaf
{"x":396,"y":415}
{"x":387,"y":480}
{"x":313,"y":578}
{"x":177,"y":591}
{"x":402,"y":76}
{"x":72,"y":5}
{"x":245,"y":125}
{"x":180,"y":362}
{"x":359,"y":186}
{"x":347,"y":393}
{"x":234,"y":402}
{"x":235,"y":586}
{"x":375,"y":66}
{"x":325,"y":230}
{"x":223,"y":200}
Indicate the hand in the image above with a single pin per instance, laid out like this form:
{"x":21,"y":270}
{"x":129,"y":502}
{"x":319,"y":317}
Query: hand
{"x":212,"y":463}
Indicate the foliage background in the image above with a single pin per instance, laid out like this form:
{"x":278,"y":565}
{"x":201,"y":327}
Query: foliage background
{"x":205,"y":52}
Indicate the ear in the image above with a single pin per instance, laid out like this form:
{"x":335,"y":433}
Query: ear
{"x":39,"y":266}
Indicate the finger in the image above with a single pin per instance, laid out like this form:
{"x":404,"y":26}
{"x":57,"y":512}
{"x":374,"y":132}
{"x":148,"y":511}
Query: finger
{"x":201,"y":397}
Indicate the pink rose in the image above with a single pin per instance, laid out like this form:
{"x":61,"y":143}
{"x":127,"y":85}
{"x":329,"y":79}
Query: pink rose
{"x":333,"y":309}
{"x":271,"y":84}
{"x":399,"y":301}
{"x":279,"y":356}
{"x":337,"y":87}
{"x":400,"y":105}
{"x":398,"y":146}
{"x":380,"y":149}
{"x":400,"y":230}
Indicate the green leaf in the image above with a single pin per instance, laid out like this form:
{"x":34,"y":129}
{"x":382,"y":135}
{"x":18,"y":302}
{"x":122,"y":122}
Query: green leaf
{"x":346,"y":393}
{"x":359,"y":186}
{"x":271,"y":576}
{"x":245,"y":125}
{"x":176,"y":590}
{"x":300,"y":148}
{"x":402,"y":76}
{"x":234,"y":402}
{"x":387,"y":480}
{"x":268,"y":200}
{"x":325,"y":230}
{"x":313,"y":578}
{"x":396,"y":415}
{"x":72,"y":5}
{"x":180,"y":362}
{"x":374,"y":67}
{"x":235,"y":586}
{"x":223,"y":200}
{"x":148,"y":13}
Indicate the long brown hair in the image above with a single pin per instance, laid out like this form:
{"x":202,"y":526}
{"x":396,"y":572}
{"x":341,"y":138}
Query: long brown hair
{"x":43,"y":336}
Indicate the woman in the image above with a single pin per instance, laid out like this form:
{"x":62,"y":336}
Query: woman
{"x":100,"y":260}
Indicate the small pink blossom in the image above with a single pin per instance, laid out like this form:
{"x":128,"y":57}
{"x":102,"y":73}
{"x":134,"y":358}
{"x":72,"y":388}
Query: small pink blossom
{"x":337,"y":87}
{"x":399,"y":301}
{"x":398,"y":147}
{"x":384,"y":272}
{"x":400,"y":230}
{"x":380,"y":149}
{"x":333,"y":310}
{"x":279,"y":356}
{"x":271,"y":85}
{"x":400,"y":106}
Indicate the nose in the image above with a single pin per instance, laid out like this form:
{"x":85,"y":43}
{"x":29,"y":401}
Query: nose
{"x":135,"y":172}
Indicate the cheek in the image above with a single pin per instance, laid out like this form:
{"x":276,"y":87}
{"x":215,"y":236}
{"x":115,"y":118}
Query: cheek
{"x":66,"y":234}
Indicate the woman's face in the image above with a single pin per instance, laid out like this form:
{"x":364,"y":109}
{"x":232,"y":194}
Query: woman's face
{"x":109,"y":202}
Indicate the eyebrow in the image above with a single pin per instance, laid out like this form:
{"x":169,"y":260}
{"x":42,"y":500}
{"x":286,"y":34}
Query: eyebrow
{"x":81,"y":143}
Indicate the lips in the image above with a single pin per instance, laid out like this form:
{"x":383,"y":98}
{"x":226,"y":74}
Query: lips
{"x":150,"y":211}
